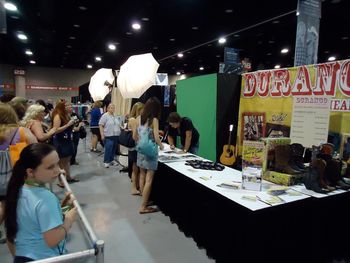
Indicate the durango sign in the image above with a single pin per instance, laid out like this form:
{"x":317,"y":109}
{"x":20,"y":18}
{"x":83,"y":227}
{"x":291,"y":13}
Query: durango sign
{"x":318,"y":80}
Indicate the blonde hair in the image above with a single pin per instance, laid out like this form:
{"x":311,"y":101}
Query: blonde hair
{"x":136,"y":110}
{"x":8,"y":119}
{"x":97,"y":104}
{"x":32,"y":113}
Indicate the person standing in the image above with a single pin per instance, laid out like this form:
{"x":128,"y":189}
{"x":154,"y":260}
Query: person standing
{"x":183,"y":127}
{"x":95,"y":130}
{"x":78,"y":123}
{"x":148,"y":129}
{"x":110,"y":126}
{"x":34,"y":221}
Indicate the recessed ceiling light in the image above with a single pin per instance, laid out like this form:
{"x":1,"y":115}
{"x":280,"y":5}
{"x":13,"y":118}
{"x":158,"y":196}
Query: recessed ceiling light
{"x":284,"y":50}
{"x":222,"y":40}
{"x":195,"y":27}
{"x":269,"y":54}
{"x":72,"y":38}
{"x":236,"y":35}
{"x":69,"y":46}
{"x":228,"y":11}
{"x":277,"y":66}
{"x":9,"y":6}
{"x":22,"y":36}
{"x":136,"y":26}
{"x":344,"y":38}
{"x":275,"y":22}
{"x":98,"y":59}
{"x":112,"y":47}
{"x":178,"y":73}
{"x":128,"y":33}
{"x":66,"y":53}
{"x":29,"y":52}
{"x":155,"y":48}
{"x":89,"y":66}
{"x":172,"y":39}
{"x":76,"y":25}
{"x":201,"y":68}
{"x":332,"y":58}
{"x":218,"y":56}
{"x":32,"y":61}
{"x":145,"y":19}
{"x":14,"y":17}
{"x":271,"y":41}
{"x":180,"y":55}
{"x":84,"y":8}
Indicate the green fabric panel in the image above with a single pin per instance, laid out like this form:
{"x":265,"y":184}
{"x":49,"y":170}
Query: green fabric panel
{"x":196,"y":99}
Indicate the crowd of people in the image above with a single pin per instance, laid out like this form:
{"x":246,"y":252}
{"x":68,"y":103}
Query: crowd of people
{"x":36,"y":223}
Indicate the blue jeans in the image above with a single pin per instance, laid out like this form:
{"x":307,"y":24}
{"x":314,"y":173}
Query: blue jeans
{"x":19,"y":259}
{"x":111,"y":143}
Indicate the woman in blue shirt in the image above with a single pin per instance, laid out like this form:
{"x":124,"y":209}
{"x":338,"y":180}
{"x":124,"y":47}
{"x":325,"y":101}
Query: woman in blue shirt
{"x":95,"y":130}
{"x":33,"y":216}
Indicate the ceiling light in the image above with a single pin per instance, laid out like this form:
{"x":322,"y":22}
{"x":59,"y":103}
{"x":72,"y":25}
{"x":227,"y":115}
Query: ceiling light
{"x":145,"y":19}
{"x":89,"y":66}
{"x":284,"y":50}
{"x":195,"y":27}
{"x":28,"y":52}
{"x":180,"y":55}
{"x":228,"y":11}
{"x":72,"y":38}
{"x":236,"y":35}
{"x":172,"y":39}
{"x":344,"y":38}
{"x":22,"y":36}
{"x":136,"y":26}
{"x":69,"y":46}
{"x":98,"y":59}
{"x":178,"y":73}
{"x":201,"y":68}
{"x":277,"y":66}
{"x":275,"y":22}
{"x":332,"y":58}
{"x":298,"y":13}
{"x":76,"y":25}
{"x":32,"y":61}
{"x":222,"y":40}
{"x":112,"y":47}
{"x":128,"y":33}
{"x":10,"y":6}
{"x":84,"y":8}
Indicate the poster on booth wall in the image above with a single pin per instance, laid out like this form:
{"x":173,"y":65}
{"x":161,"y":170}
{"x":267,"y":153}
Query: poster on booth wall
{"x":310,"y":120}
{"x":268,"y":96}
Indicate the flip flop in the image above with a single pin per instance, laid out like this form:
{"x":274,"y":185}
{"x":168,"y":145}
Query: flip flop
{"x":136,"y":193}
{"x":149,"y":210}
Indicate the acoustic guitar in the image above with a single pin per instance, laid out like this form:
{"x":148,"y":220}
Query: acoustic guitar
{"x":228,"y":153}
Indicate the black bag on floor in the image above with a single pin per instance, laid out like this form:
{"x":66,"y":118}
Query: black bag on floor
{"x":125,"y":139}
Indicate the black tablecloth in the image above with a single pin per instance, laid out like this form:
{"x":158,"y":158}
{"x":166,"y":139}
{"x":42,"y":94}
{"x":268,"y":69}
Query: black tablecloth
{"x":309,"y":230}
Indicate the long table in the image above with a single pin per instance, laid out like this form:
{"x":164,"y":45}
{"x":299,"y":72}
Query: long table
{"x":302,"y":228}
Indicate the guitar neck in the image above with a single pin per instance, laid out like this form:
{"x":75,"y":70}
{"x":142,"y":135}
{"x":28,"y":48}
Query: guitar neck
{"x":229,"y":139}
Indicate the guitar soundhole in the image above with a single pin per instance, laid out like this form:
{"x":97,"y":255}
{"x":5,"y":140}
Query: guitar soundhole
{"x":229,"y":153}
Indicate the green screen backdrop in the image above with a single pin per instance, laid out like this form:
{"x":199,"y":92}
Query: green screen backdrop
{"x":196,"y":99}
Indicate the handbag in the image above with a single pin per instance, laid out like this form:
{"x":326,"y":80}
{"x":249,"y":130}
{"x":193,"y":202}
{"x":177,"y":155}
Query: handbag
{"x":16,"y":149}
{"x":147,"y":147}
{"x":125,"y":139}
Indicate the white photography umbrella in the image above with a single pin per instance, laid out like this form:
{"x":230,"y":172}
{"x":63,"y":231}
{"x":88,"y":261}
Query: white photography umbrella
{"x":98,"y":86}
{"x":136,"y":75}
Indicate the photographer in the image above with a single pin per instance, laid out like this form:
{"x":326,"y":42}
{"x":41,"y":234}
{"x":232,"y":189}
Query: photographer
{"x":78,"y":123}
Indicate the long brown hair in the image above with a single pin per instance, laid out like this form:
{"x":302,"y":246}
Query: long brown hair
{"x":150,"y":110}
{"x":61,"y":111}
{"x":8,"y":120}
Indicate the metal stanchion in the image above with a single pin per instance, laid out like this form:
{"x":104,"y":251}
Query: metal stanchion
{"x":69,"y":257}
{"x":100,"y":251}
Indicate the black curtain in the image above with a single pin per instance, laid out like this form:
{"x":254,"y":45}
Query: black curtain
{"x":84,"y":94}
{"x":227,"y":108}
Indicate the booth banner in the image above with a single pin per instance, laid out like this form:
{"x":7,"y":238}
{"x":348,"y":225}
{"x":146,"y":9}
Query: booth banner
{"x":266,"y":102}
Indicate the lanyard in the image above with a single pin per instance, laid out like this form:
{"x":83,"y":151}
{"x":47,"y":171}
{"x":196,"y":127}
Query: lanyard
{"x":33,"y":183}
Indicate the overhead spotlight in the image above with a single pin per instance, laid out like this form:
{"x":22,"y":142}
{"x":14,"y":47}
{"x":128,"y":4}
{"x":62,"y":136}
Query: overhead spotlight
{"x":76,"y":25}
{"x":201,"y":68}
{"x":9,"y":6}
{"x":29,"y":52}
{"x":22,"y":36}
{"x":89,"y":66}
{"x":98,"y":59}
{"x":32,"y":61}
{"x":284,"y":50}
{"x":277,"y":66}
{"x":112,"y":47}
{"x":298,"y":13}
{"x":332,"y":58}
{"x":136,"y":26}
{"x":222,"y":40}
{"x":180,"y":55}
{"x":178,"y":73}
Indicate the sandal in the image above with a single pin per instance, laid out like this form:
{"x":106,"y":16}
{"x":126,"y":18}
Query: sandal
{"x":60,"y":185}
{"x":73,"y":180}
{"x":148,"y":210}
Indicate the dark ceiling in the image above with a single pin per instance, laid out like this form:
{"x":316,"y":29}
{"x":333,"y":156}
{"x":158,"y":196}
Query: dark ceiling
{"x":69,"y":34}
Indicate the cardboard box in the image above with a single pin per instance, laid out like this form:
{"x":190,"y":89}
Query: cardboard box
{"x":282,"y":178}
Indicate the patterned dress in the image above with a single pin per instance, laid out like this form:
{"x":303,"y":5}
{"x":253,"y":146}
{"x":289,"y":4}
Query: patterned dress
{"x":144,"y":161}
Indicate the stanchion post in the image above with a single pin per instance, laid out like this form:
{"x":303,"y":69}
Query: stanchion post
{"x":100,"y":244}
